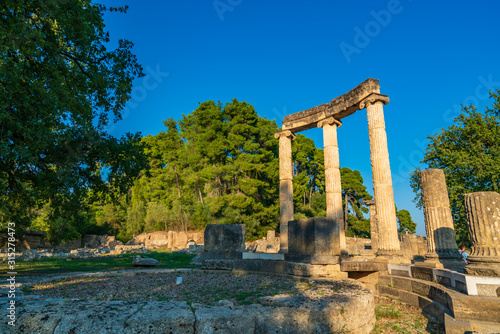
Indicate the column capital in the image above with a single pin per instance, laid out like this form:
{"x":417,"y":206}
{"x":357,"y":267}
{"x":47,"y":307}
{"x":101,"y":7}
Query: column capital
{"x":373,"y":98}
{"x":329,"y":121}
{"x":284,"y":133}
{"x":370,"y":202}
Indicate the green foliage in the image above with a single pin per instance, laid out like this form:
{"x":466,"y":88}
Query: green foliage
{"x":354,"y":194}
{"x":59,"y":84}
{"x":405,"y":223}
{"x":469,"y":153}
{"x":308,"y":178}
{"x":218,"y":164}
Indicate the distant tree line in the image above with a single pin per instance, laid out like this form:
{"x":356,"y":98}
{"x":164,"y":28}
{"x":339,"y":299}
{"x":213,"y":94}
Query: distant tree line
{"x":217,"y":165}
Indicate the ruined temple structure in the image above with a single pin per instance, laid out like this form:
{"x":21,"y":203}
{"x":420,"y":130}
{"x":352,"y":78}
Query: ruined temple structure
{"x":317,"y":247}
{"x":328,"y":116}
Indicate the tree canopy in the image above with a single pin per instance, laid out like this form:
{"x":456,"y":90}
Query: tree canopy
{"x":59,"y":85}
{"x":469,"y":153}
{"x":354,"y":194}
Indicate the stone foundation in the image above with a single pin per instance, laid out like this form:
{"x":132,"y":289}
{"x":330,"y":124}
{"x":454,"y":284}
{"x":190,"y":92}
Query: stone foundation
{"x":348,"y":310}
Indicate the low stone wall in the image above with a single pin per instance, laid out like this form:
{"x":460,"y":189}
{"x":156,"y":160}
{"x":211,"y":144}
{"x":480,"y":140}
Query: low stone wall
{"x":269,"y":244}
{"x":37,"y":240}
{"x":96,"y":241}
{"x":171,"y":239}
{"x":413,"y":245}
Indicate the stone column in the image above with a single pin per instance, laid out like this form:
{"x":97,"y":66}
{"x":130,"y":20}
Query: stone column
{"x":373,"y":224}
{"x":483,"y":219}
{"x":333,"y":186}
{"x":441,"y":241}
{"x":388,"y":242}
{"x":286,"y":185}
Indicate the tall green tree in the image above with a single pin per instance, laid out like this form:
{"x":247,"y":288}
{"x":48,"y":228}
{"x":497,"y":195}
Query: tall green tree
{"x":59,"y":85}
{"x":218,"y":164}
{"x":469,"y":153}
{"x":405,"y":223}
{"x":354,"y":194}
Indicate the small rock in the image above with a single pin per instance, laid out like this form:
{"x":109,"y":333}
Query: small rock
{"x":30,"y":255}
{"x":145,"y":262}
{"x":226,"y":303}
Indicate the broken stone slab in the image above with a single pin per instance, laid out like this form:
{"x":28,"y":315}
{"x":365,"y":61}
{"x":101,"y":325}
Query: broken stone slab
{"x":145,"y":262}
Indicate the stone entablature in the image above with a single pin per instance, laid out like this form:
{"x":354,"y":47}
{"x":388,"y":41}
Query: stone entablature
{"x":339,"y":107}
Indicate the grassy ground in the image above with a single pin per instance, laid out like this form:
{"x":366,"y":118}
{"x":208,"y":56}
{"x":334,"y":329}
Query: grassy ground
{"x":103,"y":263}
{"x":395,"y":317}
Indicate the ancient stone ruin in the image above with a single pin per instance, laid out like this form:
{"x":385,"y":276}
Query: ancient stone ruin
{"x":441,"y":244}
{"x":483,"y":216}
{"x":328,"y":116}
{"x":427,"y":274}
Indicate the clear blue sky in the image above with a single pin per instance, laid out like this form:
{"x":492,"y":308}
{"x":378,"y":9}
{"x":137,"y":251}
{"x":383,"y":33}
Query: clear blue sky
{"x":286,"y":56}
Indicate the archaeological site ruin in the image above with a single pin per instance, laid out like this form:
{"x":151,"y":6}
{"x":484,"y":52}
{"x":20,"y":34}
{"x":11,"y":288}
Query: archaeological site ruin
{"x":427,"y":273}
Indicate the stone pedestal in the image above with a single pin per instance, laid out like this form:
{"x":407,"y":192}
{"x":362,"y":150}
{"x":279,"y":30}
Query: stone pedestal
{"x":483,"y":218}
{"x":388,"y":242}
{"x":441,"y":241}
{"x":286,"y":185}
{"x":333,"y":186}
{"x":373,"y":224}
{"x":223,"y":244}
{"x":314,"y":241}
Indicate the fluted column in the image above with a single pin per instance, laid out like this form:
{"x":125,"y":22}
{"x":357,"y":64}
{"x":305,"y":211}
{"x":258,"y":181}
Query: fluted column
{"x":373,"y":224}
{"x":333,"y":186}
{"x":388,"y":242}
{"x":286,"y":185}
{"x":441,"y":241}
{"x":483,"y":219}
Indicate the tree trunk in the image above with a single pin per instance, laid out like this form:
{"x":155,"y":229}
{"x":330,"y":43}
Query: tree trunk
{"x":177,"y":180}
{"x":199,"y":191}
{"x":304,"y":198}
{"x":310,"y":196}
{"x":345,"y":214}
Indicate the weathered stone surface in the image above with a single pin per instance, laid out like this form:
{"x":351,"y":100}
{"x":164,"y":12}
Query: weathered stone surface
{"x":350,"y":310}
{"x":339,"y":107}
{"x":269,"y":244}
{"x":388,"y":242}
{"x":373,"y":224}
{"x":217,"y":264}
{"x":438,"y":220}
{"x":343,"y":313}
{"x":413,"y":246}
{"x":314,"y":236}
{"x":97,"y":241}
{"x":315,"y":270}
{"x":263,"y":266}
{"x":286,"y":185}
{"x":363,"y":266}
{"x":57,"y":316}
{"x":145,"y":262}
{"x":333,"y":187}
{"x":30,"y":255}
{"x":220,"y":319}
{"x":225,"y":238}
{"x":162,"y":317}
{"x":171,"y":239}
{"x":483,"y":216}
